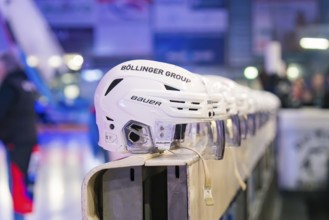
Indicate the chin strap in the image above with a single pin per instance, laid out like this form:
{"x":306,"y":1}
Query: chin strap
{"x":236,"y":171}
{"x":207,"y":190}
{"x":229,"y":126}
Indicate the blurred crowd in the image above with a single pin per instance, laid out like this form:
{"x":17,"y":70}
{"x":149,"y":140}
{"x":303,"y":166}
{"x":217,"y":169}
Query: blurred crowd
{"x":300,"y":92}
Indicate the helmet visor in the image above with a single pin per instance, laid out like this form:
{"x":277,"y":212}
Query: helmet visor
{"x":252,"y":124}
{"x":205,"y":137}
{"x":243,"y":126}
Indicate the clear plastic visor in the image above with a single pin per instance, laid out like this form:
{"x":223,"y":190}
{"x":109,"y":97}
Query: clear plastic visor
{"x":243,"y":119}
{"x":207,"y":138}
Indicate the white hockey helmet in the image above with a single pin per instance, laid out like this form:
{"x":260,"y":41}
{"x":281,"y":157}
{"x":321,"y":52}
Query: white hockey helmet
{"x":145,"y":106}
{"x":223,"y":86}
{"x":266,"y":104}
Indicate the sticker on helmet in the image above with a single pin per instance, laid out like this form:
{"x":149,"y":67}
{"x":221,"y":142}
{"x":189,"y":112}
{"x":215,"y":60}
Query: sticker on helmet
{"x":145,"y":100}
{"x":156,"y":71}
{"x":110,"y":138}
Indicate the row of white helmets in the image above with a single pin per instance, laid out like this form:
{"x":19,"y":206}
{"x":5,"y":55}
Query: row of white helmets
{"x":145,"y":106}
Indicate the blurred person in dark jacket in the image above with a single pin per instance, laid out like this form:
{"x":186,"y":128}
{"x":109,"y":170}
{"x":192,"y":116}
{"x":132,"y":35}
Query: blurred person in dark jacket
{"x":297,"y":93}
{"x":318,"y":89}
{"x":18,"y":129}
{"x":277,"y":84}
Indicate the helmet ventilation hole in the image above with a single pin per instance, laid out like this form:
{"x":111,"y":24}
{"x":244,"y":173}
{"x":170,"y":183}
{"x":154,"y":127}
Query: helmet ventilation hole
{"x":109,"y":119}
{"x":112,"y":85}
{"x":171,"y":88}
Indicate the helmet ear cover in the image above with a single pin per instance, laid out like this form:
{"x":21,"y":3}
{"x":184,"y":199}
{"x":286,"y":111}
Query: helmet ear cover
{"x":138,"y":137}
